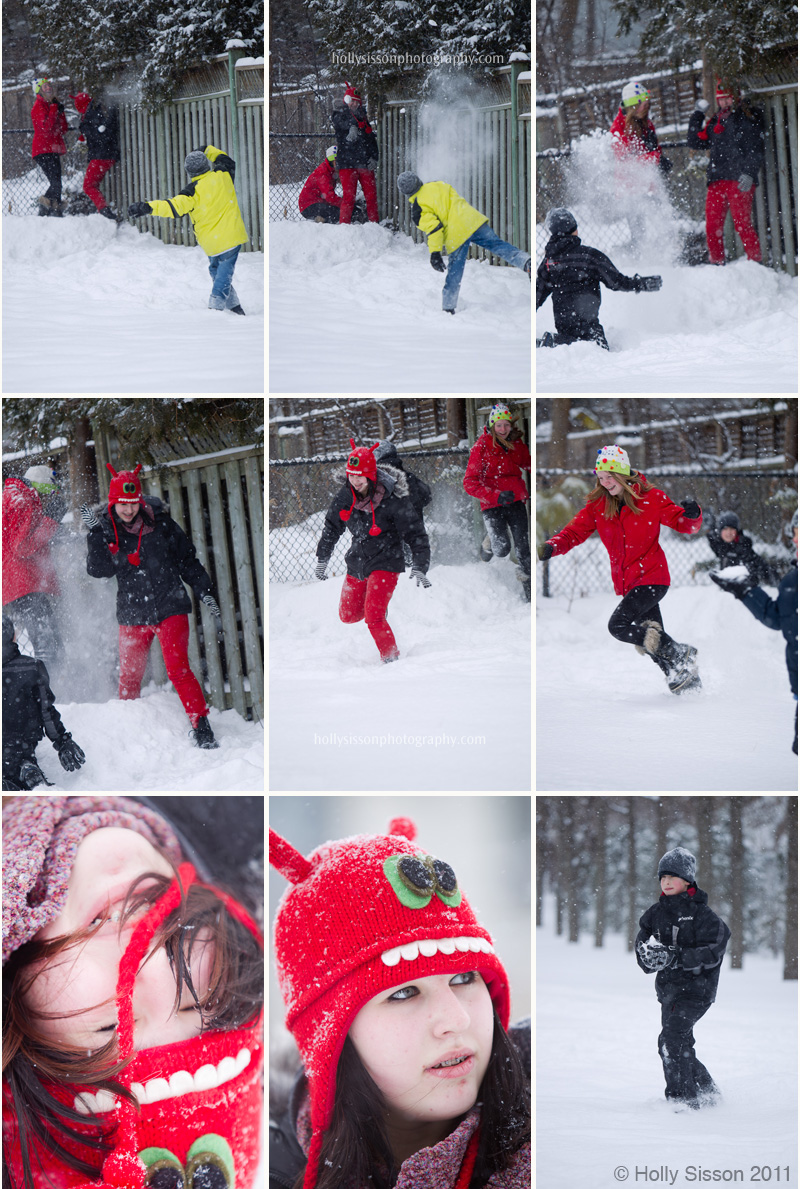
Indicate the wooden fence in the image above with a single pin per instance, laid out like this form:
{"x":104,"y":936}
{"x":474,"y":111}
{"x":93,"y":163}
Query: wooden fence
{"x":218,"y":501}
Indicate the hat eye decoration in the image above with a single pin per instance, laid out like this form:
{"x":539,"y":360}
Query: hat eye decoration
{"x":354,"y":461}
{"x":209,"y":1165}
{"x":129,"y":488}
{"x":417,"y":878}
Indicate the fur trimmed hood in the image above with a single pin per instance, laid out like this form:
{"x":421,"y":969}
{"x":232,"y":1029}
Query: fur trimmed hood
{"x":393,"y":479}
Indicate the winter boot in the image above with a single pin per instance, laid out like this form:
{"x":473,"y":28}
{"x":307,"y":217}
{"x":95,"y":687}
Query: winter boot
{"x":108,"y":213}
{"x":44,"y":205}
{"x":546,"y":340}
{"x":203,"y":735}
{"x":237,"y":310}
{"x":678,"y":662}
{"x":485,"y":549}
{"x":31,"y":775}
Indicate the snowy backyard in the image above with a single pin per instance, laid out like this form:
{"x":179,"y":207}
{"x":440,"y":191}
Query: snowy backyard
{"x":89,"y":307}
{"x":601,"y":1116}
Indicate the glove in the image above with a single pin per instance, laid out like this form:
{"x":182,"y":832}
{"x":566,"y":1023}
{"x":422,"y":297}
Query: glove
{"x":137,"y":209}
{"x":701,"y":105}
{"x":372,"y":165}
{"x":544,"y":552}
{"x":691,"y":508}
{"x":420,"y":577}
{"x":656,"y":956}
{"x":69,"y":753}
{"x":319,"y":571}
{"x":664,"y":164}
{"x":745,"y":183}
{"x":352,"y":134}
{"x":437,"y":262}
{"x":212,"y":605}
{"x":738,"y":587}
{"x":506,"y":497}
{"x":647,"y":284}
{"x":89,"y":517}
{"x":59,"y":104}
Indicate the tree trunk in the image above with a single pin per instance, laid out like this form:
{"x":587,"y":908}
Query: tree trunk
{"x":790,"y":439}
{"x":557,"y":454}
{"x":736,"y":889}
{"x":82,"y":469}
{"x":790,"y":944}
{"x":456,"y":421}
{"x":600,"y":806}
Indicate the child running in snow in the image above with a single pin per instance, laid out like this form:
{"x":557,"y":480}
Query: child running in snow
{"x":400,"y":1009}
{"x":210,"y":202}
{"x":681,"y":938}
{"x":375,"y":504}
{"x":627,"y":512}
{"x":102,"y":911}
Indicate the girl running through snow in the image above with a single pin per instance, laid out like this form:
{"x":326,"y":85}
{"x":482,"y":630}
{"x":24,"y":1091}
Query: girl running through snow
{"x":132,"y":997}
{"x":400,"y":1009}
{"x":627,"y":512}
{"x":375,"y":505}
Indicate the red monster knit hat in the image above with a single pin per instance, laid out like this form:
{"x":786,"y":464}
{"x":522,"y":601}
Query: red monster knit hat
{"x":82,"y":101}
{"x":125,"y":488}
{"x":362,"y":462}
{"x":362,"y":915}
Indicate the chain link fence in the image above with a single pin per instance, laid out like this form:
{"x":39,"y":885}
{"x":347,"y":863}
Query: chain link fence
{"x":764,"y":501}
{"x":301,"y":490}
{"x":24,"y":181}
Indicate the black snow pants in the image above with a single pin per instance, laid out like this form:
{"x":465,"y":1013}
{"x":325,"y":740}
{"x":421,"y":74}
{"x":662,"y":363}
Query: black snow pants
{"x":325,"y":211}
{"x":50,"y":163}
{"x":628,"y":623}
{"x":498,"y":521}
{"x":576,"y":318}
{"x":685,"y":1076}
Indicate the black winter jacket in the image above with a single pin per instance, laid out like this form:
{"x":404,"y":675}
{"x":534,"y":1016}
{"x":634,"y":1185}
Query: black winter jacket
{"x":737,"y":149}
{"x":29,"y":711}
{"x":570,"y":267}
{"x":781,"y":615}
{"x":101,"y":130}
{"x":686,"y":921}
{"x":356,"y":153}
{"x":395,"y":516}
{"x":741,"y":553}
{"x":152,"y":591}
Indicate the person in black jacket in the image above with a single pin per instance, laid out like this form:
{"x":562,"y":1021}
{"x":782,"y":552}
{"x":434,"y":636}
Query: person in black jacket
{"x":681,"y":938}
{"x":735,"y":548}
{"x":101,"y":132}
{"x":734,"y":136}
{"x":151,"y":557}
{"x":571,"y":272}
{"x":375,"y":504}
{"x":29,"y":713}
{"x":356,"y":154}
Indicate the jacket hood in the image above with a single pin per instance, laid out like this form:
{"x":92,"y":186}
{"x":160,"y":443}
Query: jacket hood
{"x":557,"y":242}
{"x":394,"y":480}
{"x":698,"y":897}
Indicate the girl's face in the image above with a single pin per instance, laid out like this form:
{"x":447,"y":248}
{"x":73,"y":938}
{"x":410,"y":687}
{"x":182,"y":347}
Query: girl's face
{"x":126,"y":512}
{"x":359,"y":482}
{"x":405,"y":1034}
{"x":502,"y":428}
{"x":84,"y":976}
{"x":671,"y":885}
{"x":607,"y":480}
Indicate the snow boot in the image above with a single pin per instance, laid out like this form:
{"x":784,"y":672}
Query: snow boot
{"x":108,"y":213}
{"x":485,"y":549}
{"x":31,"y":775}
{"x":450,"y":311}
{"x":546,"y":340}
{"x":237,"y":310}
{"x":44,"y":205}
{"x":678,"y":662}
{"x":203,"y":735}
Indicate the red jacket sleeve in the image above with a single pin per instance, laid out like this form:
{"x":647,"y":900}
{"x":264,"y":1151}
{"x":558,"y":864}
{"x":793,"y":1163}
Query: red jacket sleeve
{"x":326,"y":188}
{"x":673,"y":516}
{"x":473,"y":476}
{"x":579,"y":529}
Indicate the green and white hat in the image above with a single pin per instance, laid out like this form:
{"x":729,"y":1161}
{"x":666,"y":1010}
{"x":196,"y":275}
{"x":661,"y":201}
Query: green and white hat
{"x":633,"y":94}
{"x":613,"y":458}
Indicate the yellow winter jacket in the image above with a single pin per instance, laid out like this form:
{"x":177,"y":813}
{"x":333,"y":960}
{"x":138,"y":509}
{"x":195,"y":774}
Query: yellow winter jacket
{"x":210,"y":202}
{"x":444,"y":216}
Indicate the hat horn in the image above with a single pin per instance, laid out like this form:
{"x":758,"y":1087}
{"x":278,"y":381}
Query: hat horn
{"x":284,"y":858}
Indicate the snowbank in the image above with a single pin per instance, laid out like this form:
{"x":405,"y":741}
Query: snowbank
{"x":613,"y":724}
{"x":451,"y":714}
{"x":91,"y":308}
{"x":357,"y":309}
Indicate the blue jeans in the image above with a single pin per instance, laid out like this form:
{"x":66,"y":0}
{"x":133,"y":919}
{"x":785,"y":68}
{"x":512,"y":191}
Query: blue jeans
{"x":484,"y":237}
{"x":223,"y":295}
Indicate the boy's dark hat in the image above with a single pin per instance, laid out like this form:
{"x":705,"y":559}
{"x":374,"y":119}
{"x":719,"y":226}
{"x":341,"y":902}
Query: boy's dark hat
{"x":678,"y":862}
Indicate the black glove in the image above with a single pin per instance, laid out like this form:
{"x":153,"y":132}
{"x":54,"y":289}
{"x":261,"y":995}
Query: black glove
{"x":437,"y":262}
{"x":319,"y":571}
{"x":506,"y":497}
{"x":137,"y":209}
{"x":59,"y":104}
{"x":544,"y":552}
{"x":69,"y":753}
{"x":420,"y":577}
{"x":745,"y":183}
{"x":664,"y":164}
{"x":691,"y":508}
{"x":212,"y":605}
{"x":89,"y":517}
{"x":738,"y":587}
{"x":651,"y":140}
{"x":647,"y":284}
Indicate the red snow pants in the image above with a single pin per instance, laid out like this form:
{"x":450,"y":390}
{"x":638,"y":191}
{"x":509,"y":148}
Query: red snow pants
{"x":368,"y":600}
{"x":350,"y":179}
{"x":173,"y":636}
{"x":95,"y":172}
{"x":719,"y":197}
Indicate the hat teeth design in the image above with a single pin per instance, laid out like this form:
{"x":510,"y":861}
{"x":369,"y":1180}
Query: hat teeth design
{"x":430,"y":946}
{"x":207,"y":1077}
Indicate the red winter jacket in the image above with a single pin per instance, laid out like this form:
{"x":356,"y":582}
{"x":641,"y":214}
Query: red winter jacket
{"x":491,"y":469}
{"x":636,"y":557}
{"x":48,"y":124}
{"x":319,"y":187}
{"x":27,"y":532}
{"x":627,"y":145}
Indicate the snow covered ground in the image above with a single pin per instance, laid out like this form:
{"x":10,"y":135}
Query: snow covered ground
{"x":610,"y":722}
{"x":357,"y":309}
{"x":91,"y":308}
{"x":452,"y":714}
{"x":708,"y":329}
{"x":601,"y":1117}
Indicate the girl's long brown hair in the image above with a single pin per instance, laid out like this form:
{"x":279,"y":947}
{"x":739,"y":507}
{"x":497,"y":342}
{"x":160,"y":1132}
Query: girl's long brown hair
{"x":628,"y":496}
{"x":31,"y":1058}
{"x":356,"y":1149}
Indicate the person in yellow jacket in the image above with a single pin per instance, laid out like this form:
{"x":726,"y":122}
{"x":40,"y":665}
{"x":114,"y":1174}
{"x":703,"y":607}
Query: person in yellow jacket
{"x":210,"y":202}
{"x":450,"y":222}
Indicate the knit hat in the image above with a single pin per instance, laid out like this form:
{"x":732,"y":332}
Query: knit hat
{"x":728,"y":520}
{"x":362,"y":462}
{"x":37,"y":84}
{"x":560,"y":221}
{"x":613,"y":458}
{"x":42,"y":478}
{"x":196,"y":162}
{"x":81,"y":101}
{"x":723,"y":92}
{"x":499,"y":412}
{"x":331,"y":153}
{"x":125,"y":488}
{"x":408,"y":183}
{"x":678,"y":862}
{"x":633,"y":94}
{"x":362,"y":915}
{"x":352,"y":94}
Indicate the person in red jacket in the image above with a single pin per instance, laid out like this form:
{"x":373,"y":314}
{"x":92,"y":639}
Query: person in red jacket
{"x":627,"y":512}
{"x":494,"y":476}
{"x":318,"y":199}
{"x":49,"y":126}
{"x":636,"y":147}
{"x":32,"y":511}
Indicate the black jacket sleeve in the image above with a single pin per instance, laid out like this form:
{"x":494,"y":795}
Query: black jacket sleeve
{"x":543,"y":285}
{"x":51,"y":719}
{"x":189,"y":568}
{"x":333,"y":528}
{"x":695,"y":127}
{"x":711,"y":934}
{"x":412,"y":529}
{"x":609,"y":275}
{"x":100,"y":561}
{"x":224,"y":163}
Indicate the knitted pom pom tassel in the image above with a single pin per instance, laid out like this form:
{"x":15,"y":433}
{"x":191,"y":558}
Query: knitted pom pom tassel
{"x":284,"y":858}
{"x":404,"y":827}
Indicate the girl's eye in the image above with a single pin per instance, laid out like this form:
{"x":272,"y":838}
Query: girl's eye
{"x":108,"y":1028}
{"x":469,"y":976}
{"x":403,"y":993}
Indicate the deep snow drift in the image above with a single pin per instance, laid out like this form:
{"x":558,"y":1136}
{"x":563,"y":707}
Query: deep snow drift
{"x":451,"y":714}
{"x":91,"y":308}
{"x":357,"y":309}
{"x":611,"y":723}
{"x":600,"y":1103}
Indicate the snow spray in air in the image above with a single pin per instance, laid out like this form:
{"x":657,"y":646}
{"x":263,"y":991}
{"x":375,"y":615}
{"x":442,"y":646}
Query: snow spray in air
{"x":453,"y":141}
